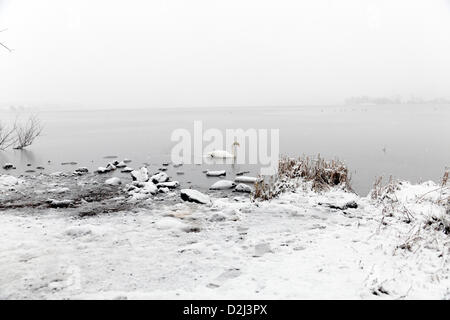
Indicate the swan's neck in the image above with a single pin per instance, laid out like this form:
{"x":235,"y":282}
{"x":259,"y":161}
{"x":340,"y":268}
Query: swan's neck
{"x":234,"y":150}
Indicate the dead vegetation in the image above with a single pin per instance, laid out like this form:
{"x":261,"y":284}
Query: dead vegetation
{"x":386,"y":196}
{"x":20,"y":134}
{"x":320,"y":173}
{"x":27,"y":132}
{"x":442,"y":223}
{"x":7,"y":136}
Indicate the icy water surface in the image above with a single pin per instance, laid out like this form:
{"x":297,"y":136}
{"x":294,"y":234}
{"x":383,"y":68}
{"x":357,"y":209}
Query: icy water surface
{"x":407,"y":141}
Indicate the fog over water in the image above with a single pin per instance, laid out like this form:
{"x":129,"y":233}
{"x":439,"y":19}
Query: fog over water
{"x":142,"y":54}
{"x":406,"y":141}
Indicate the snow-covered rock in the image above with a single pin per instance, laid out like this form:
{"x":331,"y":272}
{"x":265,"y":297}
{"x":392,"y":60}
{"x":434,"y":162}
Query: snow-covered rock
{"x":192,"y":195}
{"x":163,"y":190}
{"x":127,"y":170}
{"x":223,"y":184}
{"x":111,"y":166}
{"x":114,"y":181}
{"x":121,"y":164}
{"x":103,"y":170}
{"x":149,"y":187}
{"x":7,"y":181}
{"x":242,"y":187}
{"x":160,"y":177}
{"x":246,"y":179}
{"x":216,"y":173}
{"x":140,"y":175}
{"x":170,"y":185}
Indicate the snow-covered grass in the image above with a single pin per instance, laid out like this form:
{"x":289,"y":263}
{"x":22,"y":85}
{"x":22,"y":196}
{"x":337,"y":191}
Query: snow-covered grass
{"x":302,"y":244}
{"x":292,"y":172}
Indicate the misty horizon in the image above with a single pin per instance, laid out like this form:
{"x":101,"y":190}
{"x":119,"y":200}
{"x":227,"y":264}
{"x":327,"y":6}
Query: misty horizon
{"x":81,"y":54}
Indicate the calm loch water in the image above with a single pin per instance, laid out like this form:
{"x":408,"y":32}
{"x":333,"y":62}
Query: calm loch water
{"x":410,"y":142}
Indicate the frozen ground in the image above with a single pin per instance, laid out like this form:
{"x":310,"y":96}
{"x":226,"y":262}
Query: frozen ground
{"x":302,"y":245}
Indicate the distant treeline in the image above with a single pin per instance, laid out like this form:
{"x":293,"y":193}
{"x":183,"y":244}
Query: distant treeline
{"x":394,"y":100}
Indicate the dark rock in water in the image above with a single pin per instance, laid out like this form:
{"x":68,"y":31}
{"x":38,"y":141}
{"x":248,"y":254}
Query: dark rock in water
{"x":68,"y":163}
{"x":110,"y":157}
{"x":126,"y":160}
{"x":180,"y":172}
{"x":8,"y":166}
{"x":245,"y":179}
{"x":176,"y":165}
{"x":40,"y":168}
{"x":165,"y":164}
{"x":30,"y":171}
{"x":115,"y":163}
{"x":28,"y":164}
{"x":240,"y":173}
{"x":162,"y":169}
{"x":194,"y":196}
{"x":81,"y":171}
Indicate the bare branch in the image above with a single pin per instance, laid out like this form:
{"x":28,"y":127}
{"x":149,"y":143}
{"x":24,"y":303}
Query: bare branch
{"x":1,"y":44}
{"x":7,"y":138}
{"x":27,"y":132}
{"x":4,"y":46}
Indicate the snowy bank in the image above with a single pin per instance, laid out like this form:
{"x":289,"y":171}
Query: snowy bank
{"x":302,"y":244}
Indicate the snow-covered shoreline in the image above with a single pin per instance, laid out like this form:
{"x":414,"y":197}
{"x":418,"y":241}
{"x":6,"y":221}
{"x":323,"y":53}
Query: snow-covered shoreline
{"x":302,"y":245}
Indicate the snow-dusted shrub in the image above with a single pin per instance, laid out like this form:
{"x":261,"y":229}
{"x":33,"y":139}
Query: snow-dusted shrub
{"x":318,"y":172}
{"x":427,"y":203}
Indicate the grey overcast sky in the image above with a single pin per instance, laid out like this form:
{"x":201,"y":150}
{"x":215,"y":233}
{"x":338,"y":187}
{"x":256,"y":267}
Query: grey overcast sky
{"x":108,"y":53}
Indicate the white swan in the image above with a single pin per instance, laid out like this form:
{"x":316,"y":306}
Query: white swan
{"x":222,"y":154}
